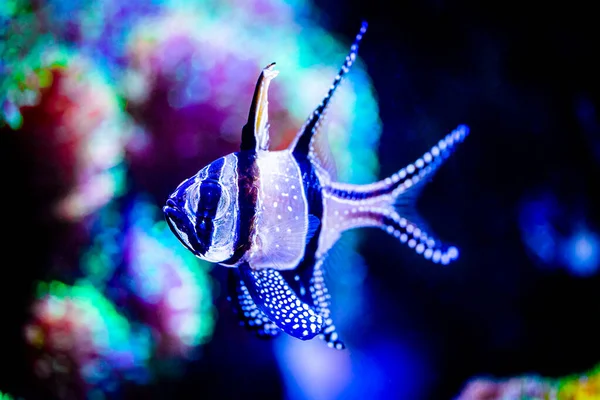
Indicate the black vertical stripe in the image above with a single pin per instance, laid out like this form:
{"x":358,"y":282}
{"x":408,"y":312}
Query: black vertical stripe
{"x":247,"y":172}
{"x":314,"y":197}
{"x":209,"y":197}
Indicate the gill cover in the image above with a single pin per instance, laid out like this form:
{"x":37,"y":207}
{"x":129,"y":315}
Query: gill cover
{"x":202,"y":212}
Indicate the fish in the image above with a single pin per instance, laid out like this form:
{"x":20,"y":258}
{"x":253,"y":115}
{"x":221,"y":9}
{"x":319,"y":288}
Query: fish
{"x":272,"y":217}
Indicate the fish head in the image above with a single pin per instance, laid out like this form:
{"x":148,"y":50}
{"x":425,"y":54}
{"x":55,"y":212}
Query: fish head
{"x":202,"y":212}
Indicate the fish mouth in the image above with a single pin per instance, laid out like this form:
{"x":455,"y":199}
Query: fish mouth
{"x":180,"y":225}
{"x":170,"y":205}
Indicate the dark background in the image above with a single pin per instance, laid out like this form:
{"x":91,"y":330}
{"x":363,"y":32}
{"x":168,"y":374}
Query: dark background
{"x":523,"y":76}
{"x":525,"y":79}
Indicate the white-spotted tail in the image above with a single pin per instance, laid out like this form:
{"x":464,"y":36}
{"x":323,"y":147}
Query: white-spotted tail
{"x":390,"y":203}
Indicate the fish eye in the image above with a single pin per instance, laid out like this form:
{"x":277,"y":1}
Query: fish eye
{"x":211,"y":200}
{"x":191,"y":202}
{"x":223,"y":205}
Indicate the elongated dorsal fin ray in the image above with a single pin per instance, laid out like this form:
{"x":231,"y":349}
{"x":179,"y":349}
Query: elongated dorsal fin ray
{"x":303,"y":143}
{"x":322,"y":155}
{"x":255,"y":134}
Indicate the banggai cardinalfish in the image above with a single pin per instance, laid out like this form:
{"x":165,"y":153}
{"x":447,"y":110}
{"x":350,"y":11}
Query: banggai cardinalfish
{"x":272,"y":216}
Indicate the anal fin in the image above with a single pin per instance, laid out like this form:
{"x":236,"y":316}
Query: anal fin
{"x":308,"y":282}
{"x":278,"y":301}
{"x":250,"y":316}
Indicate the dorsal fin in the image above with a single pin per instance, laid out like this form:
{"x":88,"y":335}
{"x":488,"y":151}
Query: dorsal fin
{"x":255,"y":134}
{"x":303,"y":143}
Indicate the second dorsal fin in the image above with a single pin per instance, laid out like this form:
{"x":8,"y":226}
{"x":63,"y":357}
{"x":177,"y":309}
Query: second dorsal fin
{"x":306,"y":141}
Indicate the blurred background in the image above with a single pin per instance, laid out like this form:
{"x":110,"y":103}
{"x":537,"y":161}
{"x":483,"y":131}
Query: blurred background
{"x":106,"y":106}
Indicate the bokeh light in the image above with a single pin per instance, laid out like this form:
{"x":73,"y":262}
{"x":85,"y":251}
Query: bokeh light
{"x":67,"y":114}
{"x":172,"y":286}
{"x":575,"y":387}
{"x":106,"y":105}
{"x":80,"y":341}
{"x":116,"y":102}
{"x":557,"y":236}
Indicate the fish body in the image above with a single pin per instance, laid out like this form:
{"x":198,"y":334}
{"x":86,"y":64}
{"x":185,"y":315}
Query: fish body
{"x":273,"y":216}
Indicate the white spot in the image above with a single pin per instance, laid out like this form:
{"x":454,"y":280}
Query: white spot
{"x":289,"y":208}
{"x":452,"y":252}
{"x":275,"y":204}
{"x":295,"y":197}
{"x":279,"y":217}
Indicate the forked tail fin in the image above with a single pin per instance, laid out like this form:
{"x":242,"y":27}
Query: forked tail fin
{"x":390,"y":203}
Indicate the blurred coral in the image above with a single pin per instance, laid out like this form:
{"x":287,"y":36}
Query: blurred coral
{"x":577,"y":387}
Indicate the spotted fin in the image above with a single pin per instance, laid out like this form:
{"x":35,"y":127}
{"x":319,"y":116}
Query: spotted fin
{"x":308,"y":282}
{"x":419,"y":238}
{"x":276,"y":299}
{"x":255,"y":134}
{"x":307,"y":141}
{"x":248,"y":313}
